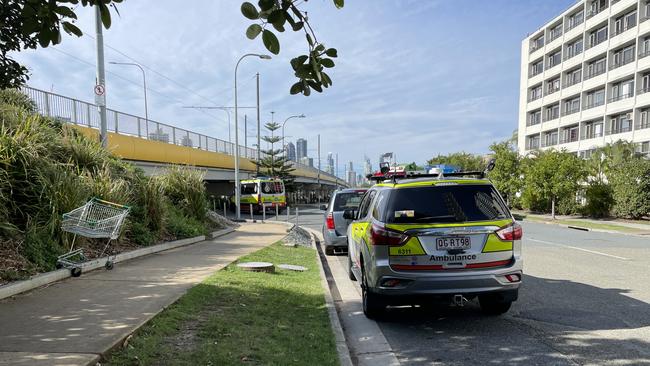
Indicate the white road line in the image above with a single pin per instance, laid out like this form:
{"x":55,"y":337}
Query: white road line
{"x":581,"y":249}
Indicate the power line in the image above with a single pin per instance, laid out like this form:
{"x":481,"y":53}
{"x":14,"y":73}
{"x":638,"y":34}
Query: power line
{"x":129,"y":81}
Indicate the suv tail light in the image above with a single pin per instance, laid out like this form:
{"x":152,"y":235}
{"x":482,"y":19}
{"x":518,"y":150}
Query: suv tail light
{"x":510,"y":232}
{"x":383,"y":236}
{"x":329,"y":221}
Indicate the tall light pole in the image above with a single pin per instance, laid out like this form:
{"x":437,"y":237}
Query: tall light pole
{"x":237,"y":191}
{"x":100,"y":82}
{"x":285,"y":121}
{"x":144,"y":85}
{"x":257,"y":166}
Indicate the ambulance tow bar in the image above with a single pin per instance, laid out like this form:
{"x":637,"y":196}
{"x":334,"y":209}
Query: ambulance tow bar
{"x":459,"y":300}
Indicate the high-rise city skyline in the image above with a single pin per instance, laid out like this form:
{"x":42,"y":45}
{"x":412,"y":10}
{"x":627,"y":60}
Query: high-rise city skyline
{"x":330,"y":163}
{"x":301,"y":149}
{"x":290,"y":150}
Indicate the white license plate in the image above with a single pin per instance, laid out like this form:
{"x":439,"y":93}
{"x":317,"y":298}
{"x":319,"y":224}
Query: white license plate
{"x":453,"y":242}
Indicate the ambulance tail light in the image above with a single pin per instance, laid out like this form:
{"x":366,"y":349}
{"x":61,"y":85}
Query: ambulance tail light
{"x":329,"y":221}
{"x":510,"y":232}
{"x":382,"y":236}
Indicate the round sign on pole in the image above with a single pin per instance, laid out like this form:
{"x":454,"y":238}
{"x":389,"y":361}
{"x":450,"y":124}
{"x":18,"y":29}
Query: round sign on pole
{"x":99,"y":89}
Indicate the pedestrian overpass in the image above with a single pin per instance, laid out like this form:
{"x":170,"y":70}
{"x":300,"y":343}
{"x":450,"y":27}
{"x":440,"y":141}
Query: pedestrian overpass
{"x":152,"y":145}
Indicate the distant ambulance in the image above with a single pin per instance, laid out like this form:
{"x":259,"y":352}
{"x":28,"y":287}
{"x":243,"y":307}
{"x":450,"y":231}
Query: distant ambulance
{"x":261,"y":193}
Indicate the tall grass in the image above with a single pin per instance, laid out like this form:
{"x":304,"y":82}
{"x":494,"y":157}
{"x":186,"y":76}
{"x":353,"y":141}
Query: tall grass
{"x":185,"y":189}
{"x":48,"y":168}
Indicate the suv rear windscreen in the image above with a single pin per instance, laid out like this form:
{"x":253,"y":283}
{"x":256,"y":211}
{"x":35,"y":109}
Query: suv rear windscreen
{"x":347,"y":200}
{"x":445,"y":204}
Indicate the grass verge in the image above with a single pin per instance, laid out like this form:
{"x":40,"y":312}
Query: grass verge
{"x":236,"y":317}
{"x":583,"y":223}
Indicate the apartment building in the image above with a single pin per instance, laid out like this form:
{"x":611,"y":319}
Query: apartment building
{"x":585,"y":78}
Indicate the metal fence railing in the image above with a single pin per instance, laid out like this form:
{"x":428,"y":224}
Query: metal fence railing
{"x":85,"y":114}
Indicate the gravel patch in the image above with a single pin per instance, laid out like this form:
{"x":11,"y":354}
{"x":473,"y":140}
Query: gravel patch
{"x":298,"y":236}
{"x":221,"y":221}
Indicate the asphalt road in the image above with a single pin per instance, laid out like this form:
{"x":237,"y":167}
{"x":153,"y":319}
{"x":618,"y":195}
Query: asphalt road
{"x":585,"y":299}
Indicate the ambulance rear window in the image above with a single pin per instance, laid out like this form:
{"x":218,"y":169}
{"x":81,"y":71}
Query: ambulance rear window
{"x":272,"y":187}
{"x":445,"y":204}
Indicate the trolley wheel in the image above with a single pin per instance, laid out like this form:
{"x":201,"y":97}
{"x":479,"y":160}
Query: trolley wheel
{"x":109,"y":265}
{"x":75,"y":272}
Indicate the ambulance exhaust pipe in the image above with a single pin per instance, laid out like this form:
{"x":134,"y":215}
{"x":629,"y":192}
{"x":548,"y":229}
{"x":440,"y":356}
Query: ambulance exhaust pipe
{"x":459,"y":300}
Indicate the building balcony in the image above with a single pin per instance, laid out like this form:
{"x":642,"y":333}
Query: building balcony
{"x":568,"y":140}
{"x":551,"y":142}
{"x":591,"y":136}
{"x":594,"y":104}
{"x":594,"y":73}
{"x":615,"y":131}
{"x":621,"y":37}
{"x":621,"y":63}
{"x":617,"y":98}
{"x":642,"y":126}
{"x":571,"y":111}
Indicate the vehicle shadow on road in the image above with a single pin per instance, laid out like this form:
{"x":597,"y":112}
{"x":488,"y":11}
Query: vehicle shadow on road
{"x":554,"y":322}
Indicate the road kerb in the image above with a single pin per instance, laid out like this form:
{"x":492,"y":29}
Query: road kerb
{"x":341,"y":343}
{"x":47,"y":278}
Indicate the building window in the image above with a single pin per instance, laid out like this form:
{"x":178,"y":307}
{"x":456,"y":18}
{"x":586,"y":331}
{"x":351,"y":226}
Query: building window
{"x":532,"y":142}
{"x":554,"y":59}
{"x":623,"y":56}
{"x":569,"y":134}
{"x":573,"y":49}
{"x":595,"y":98}
{"x":585,"y":154}
{"x":592,"y":130}
{"x":573,"y":77}
{"x":552,"y":85}
{"x":536,"y":68}
{"x":555,"y":32}
{"x":575,"y":20}
{"x":644,"y":119}
{"x":534,"y":118}
{"x":537,"y":43}
{"x":552,"y":112}
{"x":643,"y":148}
{"x":550,"y":138}
{"x":572,"y":106}
{"x":598,"y":36}
{"x":620,"y":123}
{"x":535,"y":93}
{"x":645,"y":11}
{"x":596,"y":68}
{"x":645,"y":83}
{"x":625,"y":22}
{"x":596,"y":6}
{"x":644,"y":47}
{"x":622,"y":90}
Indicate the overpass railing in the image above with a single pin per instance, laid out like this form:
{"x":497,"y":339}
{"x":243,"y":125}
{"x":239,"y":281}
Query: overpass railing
{"x":85,"y":114}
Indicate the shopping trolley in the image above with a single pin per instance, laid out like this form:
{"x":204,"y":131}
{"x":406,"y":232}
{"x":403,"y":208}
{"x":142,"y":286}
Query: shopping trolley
{"x":96,"y":219}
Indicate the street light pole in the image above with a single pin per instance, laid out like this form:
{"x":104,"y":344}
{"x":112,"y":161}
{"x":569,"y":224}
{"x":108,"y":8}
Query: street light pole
{"x":100,"y":88}
{"x":285,"y":121}
{"x":144,"y":86}
{"x":237,"y":190}
{"x":257,"y":166}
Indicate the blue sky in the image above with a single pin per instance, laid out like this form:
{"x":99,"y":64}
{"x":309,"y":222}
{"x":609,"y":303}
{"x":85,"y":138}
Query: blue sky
{"x":414,"y":77}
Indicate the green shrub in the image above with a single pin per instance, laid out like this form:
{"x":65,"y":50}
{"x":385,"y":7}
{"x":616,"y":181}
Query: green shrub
{"x":14,"y":97}
{"x":567,"y":206}
{"x":140,"y":234}
{"x":40,"y":248}
{"x":185,"y":188}
{"x":180,"y":225}
{"x":630,"y":182}
{"x":599,"y":200}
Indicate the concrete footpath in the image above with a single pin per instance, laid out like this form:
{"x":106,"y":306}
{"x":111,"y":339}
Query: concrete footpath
{"x":75,"y":321}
